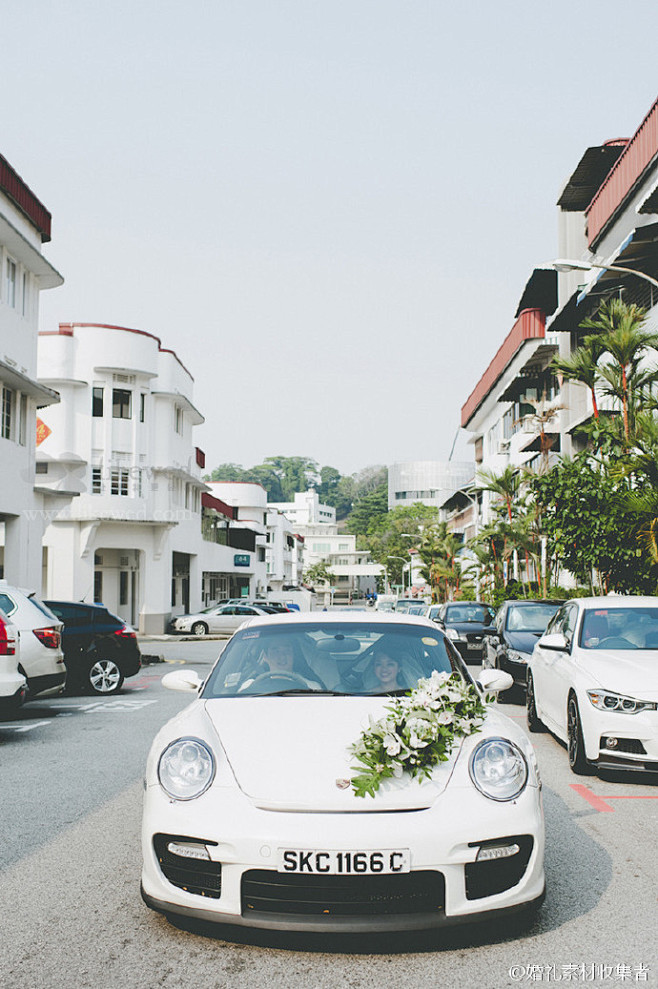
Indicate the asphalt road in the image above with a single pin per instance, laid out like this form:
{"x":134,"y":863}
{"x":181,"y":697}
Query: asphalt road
{"x":71,"y":784}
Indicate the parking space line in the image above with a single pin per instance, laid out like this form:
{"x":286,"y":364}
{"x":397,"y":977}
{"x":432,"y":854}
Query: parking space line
{"x":599,"y":803}
{"x":11,"y":726}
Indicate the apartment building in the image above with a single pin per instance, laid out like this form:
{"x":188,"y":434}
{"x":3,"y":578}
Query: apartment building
{"x":25,"y":225}
{"x":520,"y":413}
{"x":138,"y":530}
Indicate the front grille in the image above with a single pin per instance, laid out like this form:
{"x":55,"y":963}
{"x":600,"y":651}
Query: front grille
{"x":496,"y":875}
{"x":632,"y":745}
{"x":269,"y":892}
{"x":199,"y":876}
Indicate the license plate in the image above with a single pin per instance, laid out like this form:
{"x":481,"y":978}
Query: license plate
{"x":328,"y":862}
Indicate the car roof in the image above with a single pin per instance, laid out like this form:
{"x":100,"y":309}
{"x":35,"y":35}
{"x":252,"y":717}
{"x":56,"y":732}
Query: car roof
{"x":618,"y":601}
{"x":342,"y":617}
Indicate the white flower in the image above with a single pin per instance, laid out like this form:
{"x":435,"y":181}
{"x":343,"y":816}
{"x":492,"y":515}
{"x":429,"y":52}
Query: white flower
{"x":444,"y":718}
{"x":392,"y":744}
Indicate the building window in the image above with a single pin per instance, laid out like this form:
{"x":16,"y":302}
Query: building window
{"x":7,"y":412}
{"x":98,"y":586}
{"x":11,"y":283}
{"x":96,"y":480}
{"x":119,"y":481}
{"x":142,"y":407}
{"x":123,"y":587}
{"x":26,"y":297}
{"x":121,"y":403}
{"x":97,"y":402}
{"x":41,"y":467}
{"x":22,"y":421}
{"x":178,"y":419}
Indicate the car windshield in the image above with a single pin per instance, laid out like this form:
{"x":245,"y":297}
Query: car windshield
{"x":620,"y":628}
{"x":466,"y":613}
{"x":531,"y":617}
{"x":330,"y":657}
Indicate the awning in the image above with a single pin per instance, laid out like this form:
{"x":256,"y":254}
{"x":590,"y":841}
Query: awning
{"x":20,"y":382}
{"x":532,"y":374}
{"x":21,"y":250}
{"x":209,"y":501}
{"x":589,"y":174}
{"x":540,"y":292}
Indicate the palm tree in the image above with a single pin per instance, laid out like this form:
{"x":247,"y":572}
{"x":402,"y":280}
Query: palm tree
{"x":620,"y":326}
{"x":505,"y":485}
{"x":582,"y":365}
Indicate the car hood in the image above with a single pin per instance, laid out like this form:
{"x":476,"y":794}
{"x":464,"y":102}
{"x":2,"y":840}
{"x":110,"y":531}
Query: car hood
{"x":630,"y":672}
{"x":522,"y":641}
{"x":288,"y":753}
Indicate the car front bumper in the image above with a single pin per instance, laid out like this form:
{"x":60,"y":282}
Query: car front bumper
{"x":443,"y":847}
{"x":636,"y":736}
{"x":518,"y":671}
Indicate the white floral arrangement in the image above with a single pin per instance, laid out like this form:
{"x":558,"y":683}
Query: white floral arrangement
{"x":418,"y":732}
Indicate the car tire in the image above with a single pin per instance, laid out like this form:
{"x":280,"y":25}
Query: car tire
{"x":535,"y":724}
{"x":199,"y":628}
{"x":578,"y":762}
{"x":104,"y":677}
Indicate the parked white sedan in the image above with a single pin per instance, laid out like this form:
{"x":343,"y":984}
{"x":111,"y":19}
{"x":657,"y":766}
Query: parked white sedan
{"x":252,"y":815}
{"x":223,"y":618}
{"x":593,"y":681}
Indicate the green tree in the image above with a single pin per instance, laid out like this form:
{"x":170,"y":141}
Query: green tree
{"x":584,"y":505}
{"x":622,"y":335}
{"x":318,"y":573}
{"x":582,"y":365}
{"x":505,"y":485}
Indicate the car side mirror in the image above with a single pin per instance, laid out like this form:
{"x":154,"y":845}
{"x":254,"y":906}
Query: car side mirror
{"x":495,"y":680}
{"x":188,"y":680}
{"x":554,"y":641}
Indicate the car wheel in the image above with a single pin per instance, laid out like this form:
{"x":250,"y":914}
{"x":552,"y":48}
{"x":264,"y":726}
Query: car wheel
{"x":199,"y":628}
{"x":534,"y":723}
{"x":104,"y":677}
{"x":576,"y":745}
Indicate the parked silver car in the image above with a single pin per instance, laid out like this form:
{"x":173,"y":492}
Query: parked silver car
{"x":222,"y":618}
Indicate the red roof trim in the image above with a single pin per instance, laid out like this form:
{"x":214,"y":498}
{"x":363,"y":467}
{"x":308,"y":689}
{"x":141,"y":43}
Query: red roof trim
{"x":22,"y":196}
{"x":530,"y":325}
{"x":208,"y":501}
{"x":66,"y":330}
{"x":620,"y":180}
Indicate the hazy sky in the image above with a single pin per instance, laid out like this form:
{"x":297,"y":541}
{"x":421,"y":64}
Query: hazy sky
{"x":328,"y":208}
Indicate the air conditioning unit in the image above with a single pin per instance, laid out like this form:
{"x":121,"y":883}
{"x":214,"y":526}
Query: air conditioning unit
{"x":503,"y":446}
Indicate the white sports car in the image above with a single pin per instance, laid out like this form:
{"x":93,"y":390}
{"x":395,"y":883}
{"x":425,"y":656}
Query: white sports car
{"x":593,"y":680}
{"x":252,"y":813}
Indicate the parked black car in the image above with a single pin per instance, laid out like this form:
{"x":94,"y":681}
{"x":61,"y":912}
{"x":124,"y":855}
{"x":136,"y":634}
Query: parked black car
{"x":518,"y":625}
{"x":100,"y":650}
{"x":468,"y":625}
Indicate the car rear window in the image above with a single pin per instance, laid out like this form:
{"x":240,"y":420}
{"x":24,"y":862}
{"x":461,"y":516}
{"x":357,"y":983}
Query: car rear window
{"x":7,"y":604}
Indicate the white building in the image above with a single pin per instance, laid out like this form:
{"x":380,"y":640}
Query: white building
{"x":427,"y":481}
{"x":354,"y":573}
{"x":306,"y":509}
{"x":143,"y":534}
{"x":607,"y":214}
{"x":24,"y":273}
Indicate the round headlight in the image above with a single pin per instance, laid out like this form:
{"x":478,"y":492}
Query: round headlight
{"x":186,"y":769}
{"x":499,"y":769}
